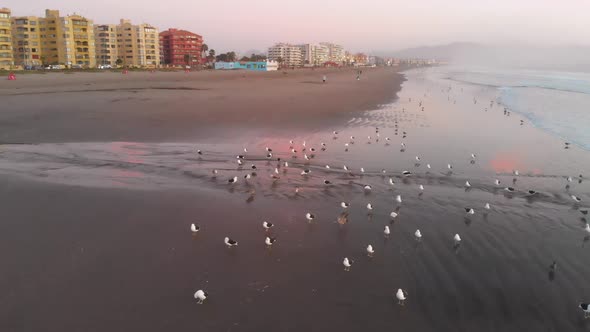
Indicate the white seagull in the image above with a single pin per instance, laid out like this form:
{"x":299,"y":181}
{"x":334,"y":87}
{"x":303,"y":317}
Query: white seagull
{"x":487,"y":206}
{"x":344,"y":205}
{"x":267,"y":225}
{"x":586,"y":309}
{"x":428,"y":166}
{"x":469,"y":211}
{"x":393,"y":215}
{"x":421,"y":187}
{"x":391,"y":182}
{"x":369,"y":207}
{"x":406,"y":173}
{"x":269,"y":241}
{"x":398,"y":198}
{"x":576,"y":198}
{"x":309,"y":217}
{"x":587,"y":228}
{"x":229,"y":242}
{"x":347,"y":263}
{"x":201,"y":296}
{"x":233,"y":180}
{"x":367,"y":187}
{"x":370,"y":251}
{"x":386,"y":231}
{"x":467,"y":184}
{"x":497,"y":182}
{"x":401,"y":296}
{"x":457,"y":239}
{"x":195,"y":228}
{"x":418,"y":235}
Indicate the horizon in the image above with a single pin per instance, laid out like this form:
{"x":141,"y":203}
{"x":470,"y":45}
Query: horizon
{"x":385,"y":27}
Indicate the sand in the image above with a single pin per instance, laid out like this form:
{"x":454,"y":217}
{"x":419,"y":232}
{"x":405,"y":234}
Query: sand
{"x":163,"y":106}
{"x":94,"y":232}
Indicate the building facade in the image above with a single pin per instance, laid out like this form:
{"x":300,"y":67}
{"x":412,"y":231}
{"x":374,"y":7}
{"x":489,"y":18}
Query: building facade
{"x":335,"y":52}
{"x":105,"y":36}
{"x":315,"y":55}
{"x":248,"y":65}
{"x":138,"y":45}
{"x":180,"y":47}
{"x":67,"y":40}
{"x":26,"y":41}
{"x":6,"y":56}
{"x":286,"y":55}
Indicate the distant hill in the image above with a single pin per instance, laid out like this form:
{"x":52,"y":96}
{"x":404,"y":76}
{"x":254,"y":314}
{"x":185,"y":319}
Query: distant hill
{"x":572,"y":57}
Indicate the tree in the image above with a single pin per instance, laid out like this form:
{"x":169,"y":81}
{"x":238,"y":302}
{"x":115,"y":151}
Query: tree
{"x":119,"y":62}
{"x":204,"y":49}
{"x":245,"y":58}
{"x":280,"y":61}
{"x":211,"y":56}
{"x":231,"y":56}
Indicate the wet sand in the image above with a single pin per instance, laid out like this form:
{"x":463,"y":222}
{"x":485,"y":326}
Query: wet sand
{"x":94,"y":235}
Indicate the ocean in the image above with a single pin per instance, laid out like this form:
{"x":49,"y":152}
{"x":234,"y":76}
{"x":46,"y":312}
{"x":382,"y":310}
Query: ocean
{"x":556,"y":102}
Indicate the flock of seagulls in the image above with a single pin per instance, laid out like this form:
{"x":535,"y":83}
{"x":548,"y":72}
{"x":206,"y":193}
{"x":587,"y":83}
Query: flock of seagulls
{"x":401,"y":295}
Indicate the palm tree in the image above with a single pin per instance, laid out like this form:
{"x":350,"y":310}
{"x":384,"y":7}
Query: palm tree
{"x":204,"y":49}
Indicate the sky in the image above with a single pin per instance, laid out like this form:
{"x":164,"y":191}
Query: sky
{"x":372,"y":26}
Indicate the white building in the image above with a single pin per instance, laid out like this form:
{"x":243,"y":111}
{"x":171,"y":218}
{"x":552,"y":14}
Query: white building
{"x":314,"y":54}
{"x":335,"y":52}
{"x":286,"y":54}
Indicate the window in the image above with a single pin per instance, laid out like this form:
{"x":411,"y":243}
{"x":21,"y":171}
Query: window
{"x":4,"y":15}
{"x":33,"y":22}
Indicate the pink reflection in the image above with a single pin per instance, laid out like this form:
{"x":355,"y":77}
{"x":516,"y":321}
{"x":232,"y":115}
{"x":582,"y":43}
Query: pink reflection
{"x":505,"y":162}
{"x":129,"y":152}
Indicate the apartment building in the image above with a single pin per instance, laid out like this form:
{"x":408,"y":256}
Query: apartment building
{"x":286,"y":55}
{"x":106,"y":44}
{"x":335,"y":52}
{"x":6,"y":56}
{"x":180,"y":47}
{"x":67,"y":40}
{"x":26,"y":41}
{"x":312,"y":54}
{"x":138,"y":45}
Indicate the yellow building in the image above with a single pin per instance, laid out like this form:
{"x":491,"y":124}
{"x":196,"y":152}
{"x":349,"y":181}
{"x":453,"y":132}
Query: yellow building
{"x":138,"y":45}
{"x":106,"y":44}
{"x":6,"y":58}
{"x":67,"y":40}
{"x":26,"y":41}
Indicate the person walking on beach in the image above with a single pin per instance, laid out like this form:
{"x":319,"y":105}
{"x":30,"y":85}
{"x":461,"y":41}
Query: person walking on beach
{"x":324,"y":79}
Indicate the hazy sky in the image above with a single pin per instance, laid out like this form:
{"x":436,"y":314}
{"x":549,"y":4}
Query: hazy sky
{"x":358,"y":25}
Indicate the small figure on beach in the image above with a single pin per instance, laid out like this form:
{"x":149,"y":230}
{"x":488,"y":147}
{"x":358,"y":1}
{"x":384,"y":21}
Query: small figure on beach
{"x":324,"y":79}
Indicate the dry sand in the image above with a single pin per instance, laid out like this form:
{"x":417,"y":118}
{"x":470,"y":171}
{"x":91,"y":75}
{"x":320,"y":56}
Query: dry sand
{"x":143,"y":106}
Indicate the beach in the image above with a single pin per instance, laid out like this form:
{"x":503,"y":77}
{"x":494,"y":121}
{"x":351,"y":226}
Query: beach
{"x":102,"y":179}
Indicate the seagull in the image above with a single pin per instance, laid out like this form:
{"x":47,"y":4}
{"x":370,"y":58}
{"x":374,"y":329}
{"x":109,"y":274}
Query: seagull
{"x":362,"y":170}
{"x":267,"y":225}
{"x":253,"y":166}
{"x":386,"y":231}
{"x":393,"y":215}
{"x":201,"y":296}
{"x":449,"y":166}
{"x":247,"y":176}
{"x":327,"y":182}
{"x":268,"y":156}
{"x":229,"y":242}
{"x":297,"y":190}
{"x":305,"y":172}
{"x":344,"y":205}
{"x":497,"y":182}
{"x":469,"y":211}
{"x":417,"y":158}
{"x":421,"y":187}
{"x":403,"y":145}
{"x":457,"y":239}
{"x":428,"y":166}
{"x":367,"y":187}
{"x":268,"y":149}
{"x":233,"y":180}
{"x":347,"y":263}
{"x":587,"y":228}
{"x":586,"y":309}
{"x":269,"y":241}
{"x":245,"y":150}
{"x":215,"y":172}
{"x":327,"y":166}
{"x":369,"y":207}
{"x":401,"y":296}
{"x":584,"y":212}
{"x":418,"y":235}
{"x":576,"y":198}
{"x":467,"y":184}
{"x":305,"y":157}
{"x":510,"y":189}
{"x":569,"y":179}
{"x":345,"y":168}
{"x":240,"y":162}
{"x":335,"y":133}
{"x":391,"y":182}
{"x":309,"y":217}
{"x":487,"y":206}
{"x":516,"y":172}
{"x":473,"y":156}
{"x":370,"y":251}
{"x":398,"y":198}
{"x":406,"y":173}
{"x":276,"y":170}
{"x":199,"y":152}
{"x":531,"y":192}
{"x":195,"y":228}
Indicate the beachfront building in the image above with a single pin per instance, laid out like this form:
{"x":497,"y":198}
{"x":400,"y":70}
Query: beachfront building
{"x":315,"y":55}
{"x":180,"y":48}
{"x":26,"y":41}
{"x":106,"y":45}
{"x":6,"y":56}
{"x":267,"y":65}
{"x":138,"y":45}
{"x":335,"y":52}
{"x":286,"y":55}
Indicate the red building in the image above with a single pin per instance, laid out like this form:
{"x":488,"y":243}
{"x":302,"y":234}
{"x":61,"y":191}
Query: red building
{"x":180,"y":47}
